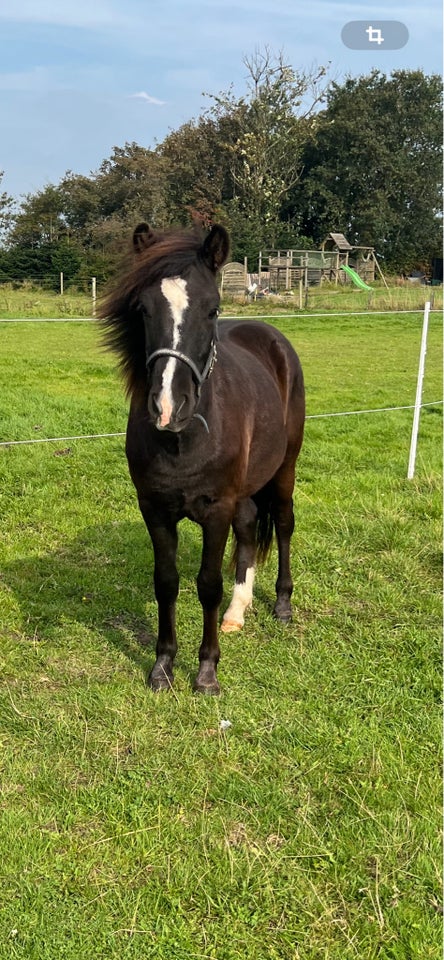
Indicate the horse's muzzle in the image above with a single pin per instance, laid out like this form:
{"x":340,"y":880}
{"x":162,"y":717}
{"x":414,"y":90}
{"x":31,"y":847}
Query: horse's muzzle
{"x":173,"y":417}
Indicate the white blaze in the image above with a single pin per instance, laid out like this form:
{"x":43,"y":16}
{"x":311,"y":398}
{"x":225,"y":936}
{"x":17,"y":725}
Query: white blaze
{"x":242,"y":598}
{"x":174,"y":290}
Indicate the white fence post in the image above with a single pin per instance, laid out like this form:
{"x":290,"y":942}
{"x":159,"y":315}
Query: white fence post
{"x":417,"y":411}
{"x":61,"y":283}
{"x":94,"y":295}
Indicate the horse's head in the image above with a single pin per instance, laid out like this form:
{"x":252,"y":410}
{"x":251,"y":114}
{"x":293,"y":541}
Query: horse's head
{"x":179,"y":304}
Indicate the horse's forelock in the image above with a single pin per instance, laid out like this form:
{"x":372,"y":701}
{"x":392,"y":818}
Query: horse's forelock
{"x":170,"y":254}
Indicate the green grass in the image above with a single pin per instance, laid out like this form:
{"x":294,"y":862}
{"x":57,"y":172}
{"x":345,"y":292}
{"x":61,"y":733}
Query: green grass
{"x":330,"y":298}
{"x":131,"y":824}
{"x":31,"y":300}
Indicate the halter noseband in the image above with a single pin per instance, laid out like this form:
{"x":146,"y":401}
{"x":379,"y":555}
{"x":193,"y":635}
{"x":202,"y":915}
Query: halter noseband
{"x":178,"y":355}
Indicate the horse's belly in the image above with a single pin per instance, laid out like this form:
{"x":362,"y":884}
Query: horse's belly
{"x":263,"y":461}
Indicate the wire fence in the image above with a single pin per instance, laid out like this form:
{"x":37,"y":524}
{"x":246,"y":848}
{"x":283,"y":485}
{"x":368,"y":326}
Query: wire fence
{"x":313,"y":416}
{"x":262,"y":316}
{"x":317,"y":416}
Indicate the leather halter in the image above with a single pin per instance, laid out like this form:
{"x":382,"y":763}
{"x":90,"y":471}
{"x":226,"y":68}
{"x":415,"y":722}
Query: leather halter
{"x":178,"y":355}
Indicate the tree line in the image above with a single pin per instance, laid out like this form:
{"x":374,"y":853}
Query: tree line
{"x":294,"y":157}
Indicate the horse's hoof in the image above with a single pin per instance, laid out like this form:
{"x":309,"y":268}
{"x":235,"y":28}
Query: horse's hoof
{"x":282,"y":612}
{"x":230,"y":626}
{"x":159,"y":679}
{"x":158,"y":685}
{"x":211,"y":689}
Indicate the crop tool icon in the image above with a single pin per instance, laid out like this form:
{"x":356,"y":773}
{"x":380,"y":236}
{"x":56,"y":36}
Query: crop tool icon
{"x":374,"y":35}
{"x":379,"y":35}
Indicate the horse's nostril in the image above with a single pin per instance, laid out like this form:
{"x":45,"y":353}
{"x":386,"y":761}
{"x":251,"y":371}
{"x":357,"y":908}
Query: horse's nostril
{"x":156,"y":405}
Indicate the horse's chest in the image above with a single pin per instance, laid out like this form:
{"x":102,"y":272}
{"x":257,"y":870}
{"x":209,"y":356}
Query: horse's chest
{"x":184,"y":488}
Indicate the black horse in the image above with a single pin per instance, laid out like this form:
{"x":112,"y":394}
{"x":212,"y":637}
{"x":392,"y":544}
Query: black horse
{"x":215,"y":426}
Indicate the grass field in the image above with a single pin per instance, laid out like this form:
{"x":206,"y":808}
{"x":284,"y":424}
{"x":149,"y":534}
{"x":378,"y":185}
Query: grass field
{"x":30,"y":300}
{"x":133,"y":825}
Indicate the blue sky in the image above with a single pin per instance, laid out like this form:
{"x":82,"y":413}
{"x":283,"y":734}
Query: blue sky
{"x":78,"y":77}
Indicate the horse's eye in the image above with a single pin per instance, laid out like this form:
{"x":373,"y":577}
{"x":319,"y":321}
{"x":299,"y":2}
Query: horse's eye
{"x":214,"y":314}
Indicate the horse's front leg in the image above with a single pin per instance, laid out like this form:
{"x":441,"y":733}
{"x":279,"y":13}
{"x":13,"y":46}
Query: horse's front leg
{"x":166,"y":587}
{"x":210,"y":589}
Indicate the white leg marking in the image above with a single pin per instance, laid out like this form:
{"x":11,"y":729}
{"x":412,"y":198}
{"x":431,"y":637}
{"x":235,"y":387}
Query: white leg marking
{"x":174,"y":290}
{"x":242,"y":598}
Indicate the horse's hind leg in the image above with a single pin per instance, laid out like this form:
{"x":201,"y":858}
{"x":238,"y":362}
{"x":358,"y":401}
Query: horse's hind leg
{"x":283,"y":518}
{"x":244,"y":526}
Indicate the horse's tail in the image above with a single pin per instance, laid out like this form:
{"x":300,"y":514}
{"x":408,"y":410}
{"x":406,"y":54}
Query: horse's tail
{"x":264,"y":524}
{"x":264,"y":528}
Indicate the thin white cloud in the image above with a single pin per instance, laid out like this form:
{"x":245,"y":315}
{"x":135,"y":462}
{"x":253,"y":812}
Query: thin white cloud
{"x":147,"y":98}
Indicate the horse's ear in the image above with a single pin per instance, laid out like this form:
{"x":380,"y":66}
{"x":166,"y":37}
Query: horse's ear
{"x":215,"y":248}
{"x":142,"y":237}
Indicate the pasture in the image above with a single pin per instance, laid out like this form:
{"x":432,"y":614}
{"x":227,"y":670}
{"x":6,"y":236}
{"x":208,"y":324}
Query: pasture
{"x":29,"y":299}
{"x":139,"y":825}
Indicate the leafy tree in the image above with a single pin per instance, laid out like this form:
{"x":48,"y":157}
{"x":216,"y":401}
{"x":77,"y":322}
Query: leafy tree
{"x":80,"y":200}
{"x":36,"y":229}
{"x":66,"y":258}
{"x":273,"y":124}
{"x":274,"y":167}
{"x":25,"y":263}
{"x":6,"y":209}
{"x":373,"y":166}
{"x":194,"y":171}
{"x":129,"y":182}
{"x":39,"y":220}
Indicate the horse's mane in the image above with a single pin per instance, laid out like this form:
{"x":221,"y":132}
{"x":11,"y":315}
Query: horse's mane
{"x":165,"y":254}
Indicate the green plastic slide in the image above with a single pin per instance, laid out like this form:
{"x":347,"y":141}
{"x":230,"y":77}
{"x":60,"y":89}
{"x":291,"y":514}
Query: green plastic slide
{"x":356,"y":278}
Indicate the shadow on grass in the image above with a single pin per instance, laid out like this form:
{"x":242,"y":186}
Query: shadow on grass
{"x":102,"y":581}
